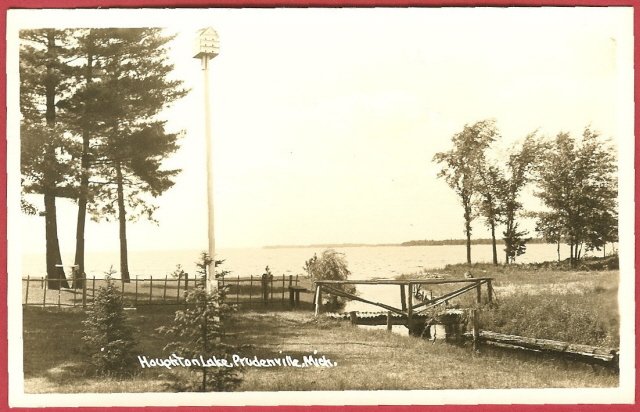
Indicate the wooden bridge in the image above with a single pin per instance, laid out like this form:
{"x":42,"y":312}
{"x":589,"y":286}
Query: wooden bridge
{"x":408,"y":290}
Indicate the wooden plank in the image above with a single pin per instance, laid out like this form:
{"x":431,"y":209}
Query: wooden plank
{"x":358,"y":298}
{"x":400,"y":282}
{"x":403,"y":297}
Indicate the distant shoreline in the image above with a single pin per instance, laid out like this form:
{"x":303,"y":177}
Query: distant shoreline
{"x":444,"y":242}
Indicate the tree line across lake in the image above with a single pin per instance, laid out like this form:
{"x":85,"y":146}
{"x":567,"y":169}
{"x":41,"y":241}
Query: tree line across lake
{"x":574,"y":178}
{"x":90,"y":130}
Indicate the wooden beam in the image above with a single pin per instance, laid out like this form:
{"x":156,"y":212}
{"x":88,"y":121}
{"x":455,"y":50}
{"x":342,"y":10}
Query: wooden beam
{"x":318,"y":299}
{"x":445,"y":298}
{"x":354,"y":297}
{"x":400,"y":282}
{"x":403,"y":297}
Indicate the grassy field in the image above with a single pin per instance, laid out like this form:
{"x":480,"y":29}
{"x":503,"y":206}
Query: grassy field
{"x":548,"y":301}
{"x":543,"y":301}
{"x":396,"y":362}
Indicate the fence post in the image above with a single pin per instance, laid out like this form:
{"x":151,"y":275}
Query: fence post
{"x":44,"y":295}
{"x":489,"y":291}
{"x":238,"y":290}
{"x":296,"y":280}
{"x":74,"y":293}
{"x":479,"y":293}
{"x":476,"y":328}
{"x":93,"y":289}
{"x":84,"y":291}
{"x":164,"y":294}
{"x":389,"y":321}
{"x":353,"y":317}
{"x":59,"y":291}
{"x":271,"y":283}
{"x":26,"y":297}
{"x":282,"y":301}
{"x":410,"y":307}
{"x":250,"y":288}
{"x":178,"y":292}
{"x":135,"y":298}
{"x":186,"y":282}
{"x":318,"y":301}
{"x":150,"y":288}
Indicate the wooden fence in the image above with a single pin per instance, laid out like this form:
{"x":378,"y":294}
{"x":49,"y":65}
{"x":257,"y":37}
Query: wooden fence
{"x":245,"y":291}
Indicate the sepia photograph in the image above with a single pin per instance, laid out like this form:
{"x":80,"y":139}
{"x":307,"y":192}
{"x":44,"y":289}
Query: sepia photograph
{"x":320,"y":206}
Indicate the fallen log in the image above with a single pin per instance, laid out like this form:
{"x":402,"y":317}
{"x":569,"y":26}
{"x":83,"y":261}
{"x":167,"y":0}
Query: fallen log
{"x":600,"y":354}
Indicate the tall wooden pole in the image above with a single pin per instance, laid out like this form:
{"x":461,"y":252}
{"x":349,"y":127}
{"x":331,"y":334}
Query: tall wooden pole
{"x":207,"y":133}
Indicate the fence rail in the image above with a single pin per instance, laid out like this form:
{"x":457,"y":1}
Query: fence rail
{"x":244,"y":291}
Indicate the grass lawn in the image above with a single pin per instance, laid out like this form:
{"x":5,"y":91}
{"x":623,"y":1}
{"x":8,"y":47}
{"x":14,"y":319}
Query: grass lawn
{"x":366,"y":360}
{"x":545,"y":301}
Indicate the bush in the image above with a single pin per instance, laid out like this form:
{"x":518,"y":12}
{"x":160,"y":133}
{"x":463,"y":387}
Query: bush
{"x":331,"y":265}
{"x":108,"y":338}
{"x":199,"y":331}
{"x":573,"y":318}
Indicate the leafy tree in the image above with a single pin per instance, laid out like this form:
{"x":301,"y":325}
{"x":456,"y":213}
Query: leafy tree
{"x":578,"y":185}
{"x":331,"y":265}
{"x":490,"y":186}
{"x":519,"y":172}
{"x":107,"y":335}
{"x":550,"y":228}
{"x":47,"y":151}
{"x":461,"y":167}
{"x":199,"y":330}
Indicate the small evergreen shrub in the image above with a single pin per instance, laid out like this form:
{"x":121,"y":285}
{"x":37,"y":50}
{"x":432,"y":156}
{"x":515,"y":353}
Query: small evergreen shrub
{"x":199,"y":331}
{"x":107,"y":336}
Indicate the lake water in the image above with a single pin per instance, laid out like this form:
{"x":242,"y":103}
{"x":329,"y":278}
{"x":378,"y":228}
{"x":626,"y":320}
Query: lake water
{"x":365,"y":262}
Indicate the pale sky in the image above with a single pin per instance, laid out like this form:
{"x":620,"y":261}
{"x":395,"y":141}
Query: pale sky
{"x":325,"y":121}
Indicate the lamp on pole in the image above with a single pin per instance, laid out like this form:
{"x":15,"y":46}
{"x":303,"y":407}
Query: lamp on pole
{"x":206,"y":48}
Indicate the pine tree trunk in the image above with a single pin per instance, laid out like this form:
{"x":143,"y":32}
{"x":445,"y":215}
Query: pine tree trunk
{"x":84,"y":187}
{"x":122,"y":220}
{"x":493,"y":242}
{"x":55,"y":274}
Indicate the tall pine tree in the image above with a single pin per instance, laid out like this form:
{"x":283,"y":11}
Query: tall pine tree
{"x":47,"y":150}
{"x":126,"y":159}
